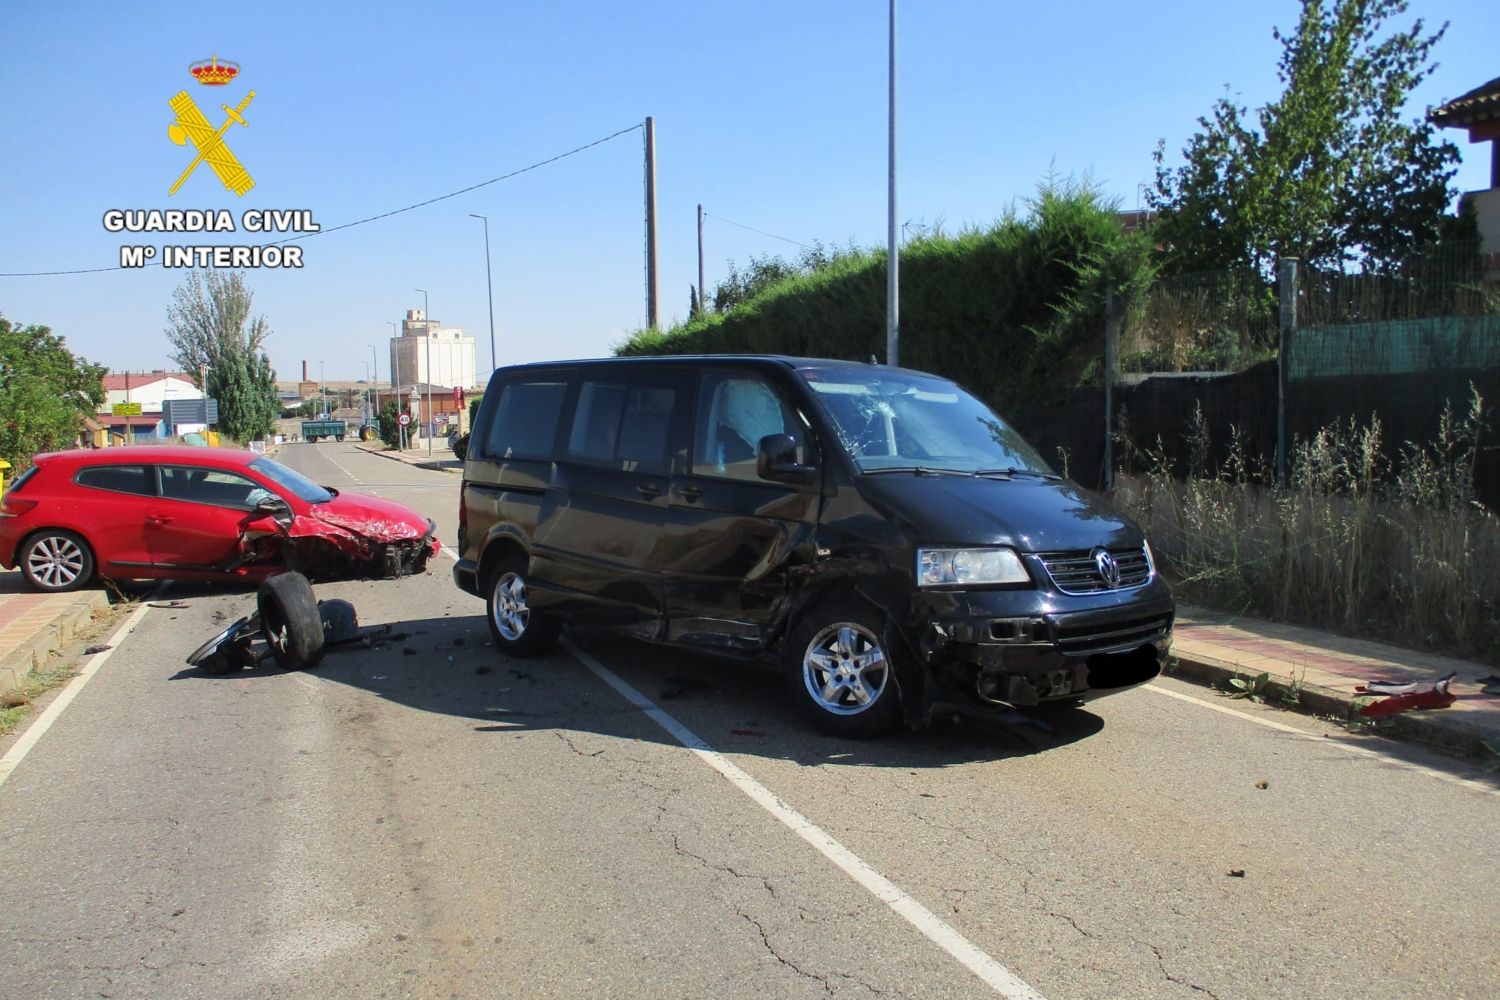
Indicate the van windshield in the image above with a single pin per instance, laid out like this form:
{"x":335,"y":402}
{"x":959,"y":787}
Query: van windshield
{"x":894,"y":420}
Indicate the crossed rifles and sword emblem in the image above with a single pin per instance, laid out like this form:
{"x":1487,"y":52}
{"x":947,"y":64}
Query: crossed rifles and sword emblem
{"x":191,"y":126}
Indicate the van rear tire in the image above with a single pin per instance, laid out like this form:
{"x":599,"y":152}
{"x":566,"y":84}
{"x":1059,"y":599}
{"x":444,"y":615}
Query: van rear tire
{"x":516,"y":628}
{"x":840,"y":670}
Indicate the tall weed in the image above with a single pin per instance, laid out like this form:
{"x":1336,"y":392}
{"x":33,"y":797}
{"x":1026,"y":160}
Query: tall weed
{"x":1356,"y":542}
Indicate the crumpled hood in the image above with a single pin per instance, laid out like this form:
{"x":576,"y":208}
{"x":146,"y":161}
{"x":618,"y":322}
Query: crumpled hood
{"x":1032,"y":515}
{"x":369,"y":517}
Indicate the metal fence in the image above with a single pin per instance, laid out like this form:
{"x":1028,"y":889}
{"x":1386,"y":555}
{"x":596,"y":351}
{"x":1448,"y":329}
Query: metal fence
{"x":1270,"y":362}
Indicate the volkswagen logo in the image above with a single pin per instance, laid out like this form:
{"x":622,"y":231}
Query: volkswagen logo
{"x":1109,"y":570}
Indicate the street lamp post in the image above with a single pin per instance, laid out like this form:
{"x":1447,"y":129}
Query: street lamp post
{"x":323,"y":389}
{"x":489,"y":282}
{"x":375,"y":368}
{"x":427,"y":328}
{"x":396,"y":386}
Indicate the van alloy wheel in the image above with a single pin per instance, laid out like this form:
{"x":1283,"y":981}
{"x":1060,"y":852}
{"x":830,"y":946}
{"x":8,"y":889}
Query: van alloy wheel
{"x":842,"y":671}
{"x":515,"y":626}
{"x":845,"y":669}
{"x":510,"y":611}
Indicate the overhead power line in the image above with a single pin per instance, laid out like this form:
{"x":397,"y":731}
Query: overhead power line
{"x":762,"y":232}
{"x":373,"y":218}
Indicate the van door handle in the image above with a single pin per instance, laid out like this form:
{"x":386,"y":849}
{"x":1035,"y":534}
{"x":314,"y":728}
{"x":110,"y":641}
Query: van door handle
{"x":648,"y":490}
{"x":691,"y":493}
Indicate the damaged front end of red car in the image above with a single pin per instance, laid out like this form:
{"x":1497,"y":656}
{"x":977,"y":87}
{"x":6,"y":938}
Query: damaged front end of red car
{"x":333,"y":545}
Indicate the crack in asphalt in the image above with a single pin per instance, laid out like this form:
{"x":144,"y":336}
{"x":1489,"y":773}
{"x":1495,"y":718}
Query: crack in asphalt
{"x":765,"y":939}
{"x":1162,"y":964}
{"x":568,"y":742}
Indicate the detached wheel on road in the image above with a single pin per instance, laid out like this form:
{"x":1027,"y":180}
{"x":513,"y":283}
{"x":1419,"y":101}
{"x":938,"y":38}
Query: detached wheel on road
{"x":290,"y":621}
{"x":55,"y":561}
{"x":515,"y":627}
{"x":840,"y":671}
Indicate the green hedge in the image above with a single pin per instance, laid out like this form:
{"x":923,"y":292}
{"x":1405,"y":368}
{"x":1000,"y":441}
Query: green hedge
{"x":1013,"y":312}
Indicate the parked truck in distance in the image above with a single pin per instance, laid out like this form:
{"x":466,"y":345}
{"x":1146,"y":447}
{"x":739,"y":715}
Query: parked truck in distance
{"x":312,"y":430}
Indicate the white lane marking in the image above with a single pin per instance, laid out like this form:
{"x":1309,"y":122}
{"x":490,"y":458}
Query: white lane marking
{"x":944,"y":935}
{"x":340,"y":467}
{"x":1384,"y":758}
{"x":449,"y":553}
{"x":38,"y":729}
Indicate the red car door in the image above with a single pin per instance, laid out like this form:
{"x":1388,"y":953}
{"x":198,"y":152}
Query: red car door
{"x":195,"y":524}
{"x":107,"y":504}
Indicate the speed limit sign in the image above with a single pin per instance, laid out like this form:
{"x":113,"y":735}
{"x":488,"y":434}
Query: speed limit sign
{"x":404,"y":419}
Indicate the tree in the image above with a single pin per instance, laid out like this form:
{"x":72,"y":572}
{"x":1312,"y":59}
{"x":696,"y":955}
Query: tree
{"x":212,"y":335}
{"x":45,"y":392}
{"x":1328,"y":172}
{"x":390,"y":426}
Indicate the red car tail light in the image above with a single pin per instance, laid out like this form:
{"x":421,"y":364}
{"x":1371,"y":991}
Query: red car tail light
{"x":15,"y":506}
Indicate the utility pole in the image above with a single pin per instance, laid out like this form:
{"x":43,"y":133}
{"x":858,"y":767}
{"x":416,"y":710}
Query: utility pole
{"x":489,"y":284}
{"x":427,"y":329}
{"x":653,"y":319}
{"x":893,"y":247}
{"x":700,"y":258}
{"x":396,"y":387}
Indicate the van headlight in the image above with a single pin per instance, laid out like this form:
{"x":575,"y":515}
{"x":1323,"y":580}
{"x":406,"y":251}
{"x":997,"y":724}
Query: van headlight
{"x":969,"y":567}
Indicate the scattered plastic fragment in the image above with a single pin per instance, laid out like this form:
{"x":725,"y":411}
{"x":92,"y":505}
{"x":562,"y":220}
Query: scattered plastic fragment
{"x":1236,"y":873}
{"x":96,"y":649}
{"x":1262,"y":784}
{"x":1407,"y":697}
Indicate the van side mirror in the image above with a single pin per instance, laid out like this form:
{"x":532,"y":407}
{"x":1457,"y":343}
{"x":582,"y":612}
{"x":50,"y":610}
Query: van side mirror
{"x":776,"y":460}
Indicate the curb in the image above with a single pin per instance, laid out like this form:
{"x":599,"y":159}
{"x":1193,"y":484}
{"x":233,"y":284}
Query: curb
{"x":395,"y":456}
{"x":1432,"y":727}
{"x":33,"y":652}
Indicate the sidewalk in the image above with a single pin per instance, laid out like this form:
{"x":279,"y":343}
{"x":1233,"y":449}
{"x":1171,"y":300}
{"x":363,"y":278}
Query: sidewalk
{"x":33,"y":626}
{"x":442,"y":458}
{"x":1323,"y":670}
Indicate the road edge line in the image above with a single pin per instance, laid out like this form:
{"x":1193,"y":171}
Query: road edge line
{"x":931,"y":926}
{"x":39,"y":726}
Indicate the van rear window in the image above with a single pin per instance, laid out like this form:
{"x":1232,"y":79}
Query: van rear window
{"x":525,"y":422}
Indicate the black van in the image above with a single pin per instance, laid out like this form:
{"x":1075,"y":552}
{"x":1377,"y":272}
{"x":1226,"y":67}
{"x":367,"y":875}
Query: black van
{"x":898,"y":543}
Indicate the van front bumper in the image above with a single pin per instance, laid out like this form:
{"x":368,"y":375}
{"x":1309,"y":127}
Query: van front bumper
{"x":1006,"y":649}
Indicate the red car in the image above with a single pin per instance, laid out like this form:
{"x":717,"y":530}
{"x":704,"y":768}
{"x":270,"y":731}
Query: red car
{"x":197,"y":514}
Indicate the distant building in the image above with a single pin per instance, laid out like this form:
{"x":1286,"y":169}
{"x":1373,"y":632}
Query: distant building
{"x":1478,"y":113}
{"x":428,"y":352}
{"x":147,"y":389}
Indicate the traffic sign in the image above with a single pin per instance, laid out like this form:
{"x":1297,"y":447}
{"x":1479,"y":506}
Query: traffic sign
{"x":404,"y":419}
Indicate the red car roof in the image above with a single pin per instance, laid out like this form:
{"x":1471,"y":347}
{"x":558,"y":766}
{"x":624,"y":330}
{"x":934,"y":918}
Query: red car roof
{"x":228,"y":458}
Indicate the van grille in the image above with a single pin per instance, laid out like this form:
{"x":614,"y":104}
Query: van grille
{"x":1078,"y":572}
{"x":1118,"y":634}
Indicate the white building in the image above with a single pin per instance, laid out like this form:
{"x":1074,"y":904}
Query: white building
{"x":427,"y":352}
{"x":149,"y":389}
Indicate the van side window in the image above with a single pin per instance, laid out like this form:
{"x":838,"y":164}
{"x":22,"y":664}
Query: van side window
{"x":734,"y":413}
{"x":622,"y":422}
{"x":525,"y":421}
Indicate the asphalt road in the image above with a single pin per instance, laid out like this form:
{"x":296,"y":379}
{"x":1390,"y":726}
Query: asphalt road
{"x":431,"y":819}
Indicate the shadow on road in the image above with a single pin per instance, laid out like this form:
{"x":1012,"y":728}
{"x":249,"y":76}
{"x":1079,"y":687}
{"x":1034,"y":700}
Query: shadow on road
{"x":447,"y":666}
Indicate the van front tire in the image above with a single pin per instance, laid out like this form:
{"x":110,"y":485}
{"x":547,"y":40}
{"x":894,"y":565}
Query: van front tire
{"x":841,"y":671}
{"x":517,"y":629}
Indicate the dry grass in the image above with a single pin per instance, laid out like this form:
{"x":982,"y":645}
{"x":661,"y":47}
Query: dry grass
{"x":1357,"y":542}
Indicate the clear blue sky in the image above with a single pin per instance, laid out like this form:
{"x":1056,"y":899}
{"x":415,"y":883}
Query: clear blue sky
{"x":771,"y":114}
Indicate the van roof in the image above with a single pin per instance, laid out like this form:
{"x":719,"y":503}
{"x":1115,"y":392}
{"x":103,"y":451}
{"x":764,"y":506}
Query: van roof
{"x":698,"y":360}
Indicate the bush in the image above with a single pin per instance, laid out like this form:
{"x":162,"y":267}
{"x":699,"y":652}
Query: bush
{"x":1357,"y":541}
{"x":1014,"y":312}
